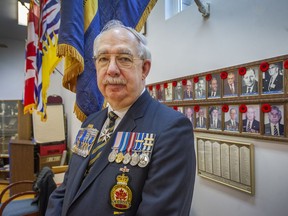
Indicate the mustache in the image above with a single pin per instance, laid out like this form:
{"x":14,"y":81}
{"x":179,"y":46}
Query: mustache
{"x":113,"y":81}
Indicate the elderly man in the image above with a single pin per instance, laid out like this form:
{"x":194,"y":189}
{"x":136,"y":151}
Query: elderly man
{"x":274,"y":127}
{"x":140,"y":158}
{"x":274,"y":81}
{"x":250,"y":124}
{"x":250,"y":83}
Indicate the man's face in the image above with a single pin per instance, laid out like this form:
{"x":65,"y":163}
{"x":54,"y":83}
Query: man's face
{"x":249,"y":78}
{"x":250,"y":114}
{"x":230,"y":78}
{"x":233,"y":114}
{"x":214,"y":85}
{"x":120,"y":86}
{"x":215,"y":114}
{"x":201,"y":113}
{"x":189,"y":112}
{"x":189,"y":85}
{"x":201,"y":84}
{"x":274,"y":116}
{"x":273,"y":69}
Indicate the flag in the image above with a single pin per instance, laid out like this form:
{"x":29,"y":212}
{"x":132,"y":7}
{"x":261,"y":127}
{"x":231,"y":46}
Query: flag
{"x":44,"y":37}
{"x":81,"y":22}
{"x":31,"y":72}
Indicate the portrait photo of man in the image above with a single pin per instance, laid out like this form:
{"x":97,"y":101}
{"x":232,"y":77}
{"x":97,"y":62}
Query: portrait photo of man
{"x":201,"y":118}
{"x":153,"y":93}
{"x":214,"y":89}
{"x":168,"y":92}
{"x":273,"y":121}
{"x":250,"y":82}
{"x":178,"y":91}
{"x":215,"y":118}
{"x":250,"y":120}
{"x":231,"y":84}
{"x":231,"y":119}
{"x":189,"y":113}
{"x":160,"y":93}
{"x":200,"y":88}
{"x":273,"y":79}
{"x":188,"y":91}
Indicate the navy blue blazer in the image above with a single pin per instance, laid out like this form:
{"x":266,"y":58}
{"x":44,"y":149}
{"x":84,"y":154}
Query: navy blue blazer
{"x":164,"y":187}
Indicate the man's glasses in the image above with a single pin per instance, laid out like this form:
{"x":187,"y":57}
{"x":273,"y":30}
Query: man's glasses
{"x":123,"y":61}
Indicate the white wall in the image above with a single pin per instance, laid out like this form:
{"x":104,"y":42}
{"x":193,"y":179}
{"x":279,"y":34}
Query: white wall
{"x":12,"y":69}
{"x":236,"y":32}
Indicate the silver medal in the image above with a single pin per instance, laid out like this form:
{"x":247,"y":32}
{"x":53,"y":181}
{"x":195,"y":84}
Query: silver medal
{"x":127,"y":158}
{"x":134,"y":159}
{"x":143,"y":160}
{"x":112,"y":156}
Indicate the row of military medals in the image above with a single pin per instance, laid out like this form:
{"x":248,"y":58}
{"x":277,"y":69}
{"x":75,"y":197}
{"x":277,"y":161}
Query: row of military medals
{"x":132,"y":148}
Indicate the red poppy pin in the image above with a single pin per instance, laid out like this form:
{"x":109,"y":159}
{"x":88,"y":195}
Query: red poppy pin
{"x":184,"y":82}
{"x":208,"y":77}
{"x":286,"y":64}
{"x":266,"y":108}
{"x":165,"y":85}
{"x":174,"y":83}
{"x":158,"y":86}
{"x":223,"y":75}
{"x":196,"y":79}
{"x":242,"y":71}
{"x":196,"y":108}
{"x":264,"y":66}
{"x":225,"y":108}
{"x":243,"y":108}
{"x":175,"y":108}
{"x":150,"y":88}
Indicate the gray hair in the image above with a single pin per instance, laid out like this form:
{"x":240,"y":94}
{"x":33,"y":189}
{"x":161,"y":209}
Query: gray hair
{"x":143,"y":50}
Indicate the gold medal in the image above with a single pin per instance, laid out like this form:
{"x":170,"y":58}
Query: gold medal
{"x":119,"y":157}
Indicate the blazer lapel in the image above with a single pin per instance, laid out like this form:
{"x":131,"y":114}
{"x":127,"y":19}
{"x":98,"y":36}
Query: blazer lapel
{"x":127,"y":124}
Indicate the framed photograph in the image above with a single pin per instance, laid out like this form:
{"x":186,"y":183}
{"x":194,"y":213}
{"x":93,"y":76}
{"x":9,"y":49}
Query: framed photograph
{"x":152,"y":92}
{"x":189,"y":113}
{"x":200,"y":88}
{"x":214,"y":87}
{"x":215,"y":117}
{"x":188,"y":90}
{"x":251,"y":119}
{"x":232,"y":119}
{"x":250,"y":84}
{"x":160,"y":93}
{"x":274,"y":121}
{"x":178,"y":92}
{"x":231,"y":85}
{"x":272,"y":81}
{"x":201,"y":118}
{"x":227,"y":162}
{"x":168,"y":92}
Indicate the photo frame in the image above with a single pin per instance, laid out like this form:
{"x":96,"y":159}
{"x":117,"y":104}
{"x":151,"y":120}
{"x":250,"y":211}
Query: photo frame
{"x":261,"y":99}
{"x":226,"y":162}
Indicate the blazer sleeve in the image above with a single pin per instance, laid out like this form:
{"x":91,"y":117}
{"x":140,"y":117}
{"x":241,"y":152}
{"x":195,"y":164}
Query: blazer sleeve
{"x":55,"y":203}
{"x":168,"y":189}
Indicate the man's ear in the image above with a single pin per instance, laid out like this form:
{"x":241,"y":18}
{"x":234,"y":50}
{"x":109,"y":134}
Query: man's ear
{"x":146,"y":68}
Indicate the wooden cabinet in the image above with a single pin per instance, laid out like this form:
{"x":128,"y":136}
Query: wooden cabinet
{"x":13,"y":124}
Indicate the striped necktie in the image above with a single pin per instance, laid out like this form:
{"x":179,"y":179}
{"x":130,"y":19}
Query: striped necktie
{"x":102,"y":140}
{"x":276,"y":131}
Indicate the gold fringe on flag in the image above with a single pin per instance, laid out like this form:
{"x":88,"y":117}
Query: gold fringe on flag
{"x":74,"y":65}
{"x":145,"y":15}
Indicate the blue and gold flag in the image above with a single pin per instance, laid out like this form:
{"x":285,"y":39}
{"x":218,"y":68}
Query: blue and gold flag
{"x":81,"y":22}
